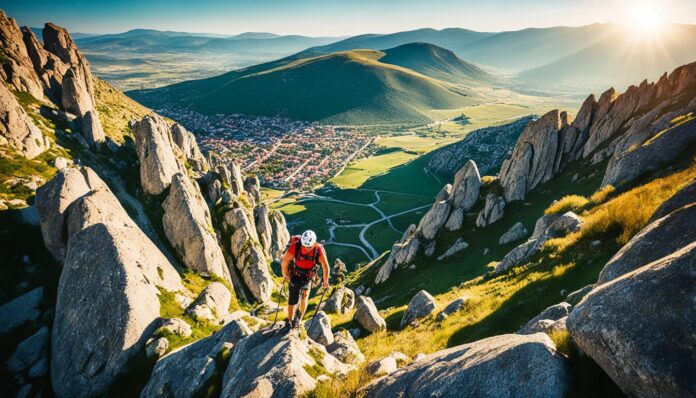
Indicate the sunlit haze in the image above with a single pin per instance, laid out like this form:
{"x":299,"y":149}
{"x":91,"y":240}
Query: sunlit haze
{"x":334,"y":18}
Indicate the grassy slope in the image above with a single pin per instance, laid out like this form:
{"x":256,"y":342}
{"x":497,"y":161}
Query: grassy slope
{"x":116,"y":110}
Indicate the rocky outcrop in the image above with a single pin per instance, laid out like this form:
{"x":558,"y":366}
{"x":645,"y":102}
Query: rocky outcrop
{"x":272,"y":363}
{"x":575,"y":297}
{"x":17,"y":69}
{"x":253,"y":187}
{"x":341,"y":301}
{"x":53,"y":199}
{"x":188,"y":372}
{"x":188,"y":227}
{"x":17,"y":129}
{"x":456,"y":247}
{"x":650,"y":156}
{"x":367,"y":315}
{"x":492,"y":210}
{"x":533,"y":157}
{"x":639,"y":327}
{"x":107,"y":301}
{"x":186,"y":142}
{"x":160,"y":158}
{"x":213,"y":303}
{"x":318,"y":328}
{"x":516,"y":232}
{"x":345,"y":349}
{"x":500,"y":366}
{"x":280,"y":236}
{"x":263,"y":227}
{"x":420,"y":306}
{"x":466,"y":186}
{"x":434,"y":219}
{"x":248,"y":254}
{"x":402,"y":252}
{"x":547,"y":227}
{"x":658,"y":239}
{"x":452,"y":308}
{"x":683,"y":197}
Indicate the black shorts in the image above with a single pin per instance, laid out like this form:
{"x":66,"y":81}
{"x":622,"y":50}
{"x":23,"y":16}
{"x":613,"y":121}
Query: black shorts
{"x":297,"y":283}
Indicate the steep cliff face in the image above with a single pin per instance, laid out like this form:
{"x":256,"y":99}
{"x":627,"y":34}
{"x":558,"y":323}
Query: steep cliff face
{"x":55,"y":71}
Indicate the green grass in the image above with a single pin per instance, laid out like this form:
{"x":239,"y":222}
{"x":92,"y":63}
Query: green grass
{"x":356,"y":174}
{"x":393,"y":203}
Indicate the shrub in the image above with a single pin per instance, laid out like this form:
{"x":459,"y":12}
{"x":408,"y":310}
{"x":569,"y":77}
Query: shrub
{"x":573,"y":203}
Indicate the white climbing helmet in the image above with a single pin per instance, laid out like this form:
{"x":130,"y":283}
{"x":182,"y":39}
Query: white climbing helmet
{"x":309,"y":238}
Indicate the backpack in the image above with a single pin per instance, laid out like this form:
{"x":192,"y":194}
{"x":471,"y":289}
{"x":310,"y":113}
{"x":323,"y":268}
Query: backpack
{"x":310,"y":273}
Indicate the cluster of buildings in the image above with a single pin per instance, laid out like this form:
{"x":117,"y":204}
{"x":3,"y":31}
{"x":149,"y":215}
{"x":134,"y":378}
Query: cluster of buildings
{"x":284,"y":153}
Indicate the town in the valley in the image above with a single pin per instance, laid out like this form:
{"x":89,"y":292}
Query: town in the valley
{"x":285,"y":153}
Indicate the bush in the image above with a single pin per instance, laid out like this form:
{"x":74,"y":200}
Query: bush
{"x":574,"y":203}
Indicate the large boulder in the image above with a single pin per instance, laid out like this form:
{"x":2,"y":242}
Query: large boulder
{"x":658,"y":239}
{"x":367,"y":315}
{"x":683,"y":197}
{"x":107,"y":302}
{"x":212,"y":303}
{"x":252,"y":186}
{"x":248,"y":254}
{"x":456,"y":247}
{"x":499,"y":366}
{"x":516,"y":232}
{"x":272,"y":363}
{"x":156,"y":151}
{"x":318,"y":328}
{"x":640,"y":327}
{"x":466,"y":186}
{"x":23,"y":309}
{"x":402,"y":252}
{"x":187,"y":372}
{"x":345,"y":349}
{"x":280,"y":236}
{"x":186,"y":142}
{"x":188,"y":227}
{"x":533,"y":157}
{"x":53,"y":199}
{"x":434,"y":219}
{"x":341,"y":301}
{"x":420,"y":306}
{"x":382,"y":367}
{"x":492,"y":210}
{"x":17,"y":129}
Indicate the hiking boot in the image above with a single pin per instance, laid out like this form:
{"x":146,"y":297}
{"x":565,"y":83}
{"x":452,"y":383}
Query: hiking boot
{"x":296,"y":324}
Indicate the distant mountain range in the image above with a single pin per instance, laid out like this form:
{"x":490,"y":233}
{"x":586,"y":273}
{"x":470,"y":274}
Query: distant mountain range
{"x":348,"y":87}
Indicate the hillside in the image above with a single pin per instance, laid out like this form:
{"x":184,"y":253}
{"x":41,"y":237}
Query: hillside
{"x":436,"y":62}
{"x":352,"y":87}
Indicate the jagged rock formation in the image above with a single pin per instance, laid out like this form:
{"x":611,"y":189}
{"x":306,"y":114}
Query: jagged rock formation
{"x":420,"y":306}
{"x":17,"y":129}
{"x":107,"y":296}
{"x":492,"y":210}
{"x":263,"y":227}
{"x":487,"y":147}
{"x":500,"y":366}
{"x":160,"y":158}
{"x":280,"y":236}
{"x":448,"y":212}
{"x":533,"y":157}
{"x":271,"y":363}
{"x":189,"y":371}
{"x":341,"y":301}
{"x":188,"y":227}
{"x":186,"y":142}
{"x":56,"y":71}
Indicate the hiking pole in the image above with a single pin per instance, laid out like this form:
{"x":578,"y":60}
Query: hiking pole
{"x":323,"y":291}
{"x":282,"y":293}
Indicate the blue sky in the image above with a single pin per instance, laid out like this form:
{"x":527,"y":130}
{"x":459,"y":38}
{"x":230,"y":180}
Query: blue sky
{"x":330,"y":17}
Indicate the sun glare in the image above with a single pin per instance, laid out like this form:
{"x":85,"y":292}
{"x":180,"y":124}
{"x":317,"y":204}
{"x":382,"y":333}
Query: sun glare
{"x":645,"y":19}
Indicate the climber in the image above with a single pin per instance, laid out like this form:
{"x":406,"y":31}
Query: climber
{"x":300,"y":267}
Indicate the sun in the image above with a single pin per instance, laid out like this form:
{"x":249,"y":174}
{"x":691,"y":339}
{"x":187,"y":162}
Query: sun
{"x":645,"y":19}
